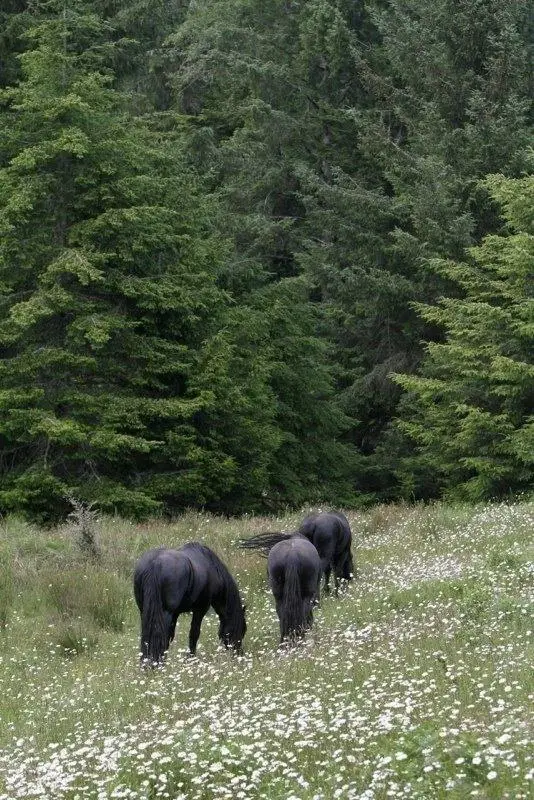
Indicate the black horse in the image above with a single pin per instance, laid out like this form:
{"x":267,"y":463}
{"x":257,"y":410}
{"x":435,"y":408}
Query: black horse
{"x":168,"y":583}
{"x":294,"y":570}
{"x":330,"y":532}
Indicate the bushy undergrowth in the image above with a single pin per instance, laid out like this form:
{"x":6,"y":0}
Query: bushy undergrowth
{"x":415,"y":683}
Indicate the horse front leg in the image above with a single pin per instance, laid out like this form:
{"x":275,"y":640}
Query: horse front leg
{"x":172,"y":627}
{"x":194,"y":631}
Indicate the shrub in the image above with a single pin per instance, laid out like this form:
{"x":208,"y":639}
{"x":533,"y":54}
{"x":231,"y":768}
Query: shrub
{"x":84,"y":520}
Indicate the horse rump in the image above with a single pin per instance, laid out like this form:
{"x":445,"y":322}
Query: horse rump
{"x":294,"y":569}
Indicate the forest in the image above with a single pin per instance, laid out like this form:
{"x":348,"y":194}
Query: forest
{"x":260,"y":254}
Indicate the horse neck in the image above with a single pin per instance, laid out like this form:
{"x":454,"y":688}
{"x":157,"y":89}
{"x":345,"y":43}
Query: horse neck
{"x":222,"y":600}
{"x":227,"y":603}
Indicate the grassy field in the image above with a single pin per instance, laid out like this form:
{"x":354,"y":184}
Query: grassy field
{"x":416,"y":683}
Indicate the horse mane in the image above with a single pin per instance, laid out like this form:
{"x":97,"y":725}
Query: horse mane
{"x":234,"y":606}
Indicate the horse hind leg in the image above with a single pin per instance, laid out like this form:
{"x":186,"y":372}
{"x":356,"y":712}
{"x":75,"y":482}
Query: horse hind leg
{"x":316,"y":601}
{"x":336,"y":584}
{"x":327,"y":570}
{"x":343,"y":573}
{"x":169,"y":625}
{"x":310,"y":601}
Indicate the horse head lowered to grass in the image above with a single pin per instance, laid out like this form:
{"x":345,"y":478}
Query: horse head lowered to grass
{"x":168,"y":583}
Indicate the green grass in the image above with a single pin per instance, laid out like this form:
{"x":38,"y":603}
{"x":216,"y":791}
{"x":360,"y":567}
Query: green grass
{"x":416,"y":682}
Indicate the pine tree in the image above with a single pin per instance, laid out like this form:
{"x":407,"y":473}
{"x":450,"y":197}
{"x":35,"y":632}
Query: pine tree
{"x":452,"y":101}
{"x":470,"y":411}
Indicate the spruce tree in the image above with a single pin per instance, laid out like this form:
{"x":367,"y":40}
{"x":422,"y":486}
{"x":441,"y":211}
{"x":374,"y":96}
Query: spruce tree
{"x":237,"y":73}
{"x":471,"y":410}
{"x":109,"y":296}
{"x":14,"y":19}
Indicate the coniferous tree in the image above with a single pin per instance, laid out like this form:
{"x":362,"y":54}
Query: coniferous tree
{"x":345,"y":141}
{"x":109,"y":299}
{"x":470,"y":412}
{"x":15,"y":17}
{"x":237,"y":72}
{"x":455,"y":104}
{"x":215,"y":218}
{"x":452,"y":101}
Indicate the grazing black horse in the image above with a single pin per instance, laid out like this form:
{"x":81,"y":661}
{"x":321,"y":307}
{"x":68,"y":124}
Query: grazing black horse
{"x":294,"y":570}
{"x":330,"y":532}
{"x":168,"y":583}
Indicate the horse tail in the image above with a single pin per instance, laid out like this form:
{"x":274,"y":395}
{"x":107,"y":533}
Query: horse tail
{"x":263,"y":541}
{"x":292,"y":621}
{"x":344,"y":559}
{"x":154,"y":627}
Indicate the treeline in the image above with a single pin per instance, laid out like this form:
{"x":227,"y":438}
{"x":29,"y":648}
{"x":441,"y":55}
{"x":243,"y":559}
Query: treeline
{"x":250,"y":255}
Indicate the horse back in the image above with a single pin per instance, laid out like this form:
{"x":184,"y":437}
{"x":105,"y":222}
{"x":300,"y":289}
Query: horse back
{"x":180,"y":583}
{"x":205,"y":574}
{"x":298,"y":552}
{"x":329,"y":531}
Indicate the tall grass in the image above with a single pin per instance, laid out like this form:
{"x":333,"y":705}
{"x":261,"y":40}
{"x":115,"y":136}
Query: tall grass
{"x":7,"y":588}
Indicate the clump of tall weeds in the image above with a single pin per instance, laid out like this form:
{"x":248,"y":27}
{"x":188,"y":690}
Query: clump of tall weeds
{"x":84,"y":525}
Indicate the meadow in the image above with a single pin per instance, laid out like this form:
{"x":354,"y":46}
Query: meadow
{"x":415,"y":683}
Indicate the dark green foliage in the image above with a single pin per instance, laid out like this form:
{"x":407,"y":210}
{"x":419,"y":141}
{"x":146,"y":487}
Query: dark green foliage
{"x":448,"y":101}
{"x":216,"y":222}
{"x":471,"y":409}
{"x":310,"y":464}
{"x":109,"y":293}
{"x":14,"y":20}
{"x":345,"y":141}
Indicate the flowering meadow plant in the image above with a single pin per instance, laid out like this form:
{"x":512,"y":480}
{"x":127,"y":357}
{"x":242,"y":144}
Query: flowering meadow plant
{"x":416,"y":682}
